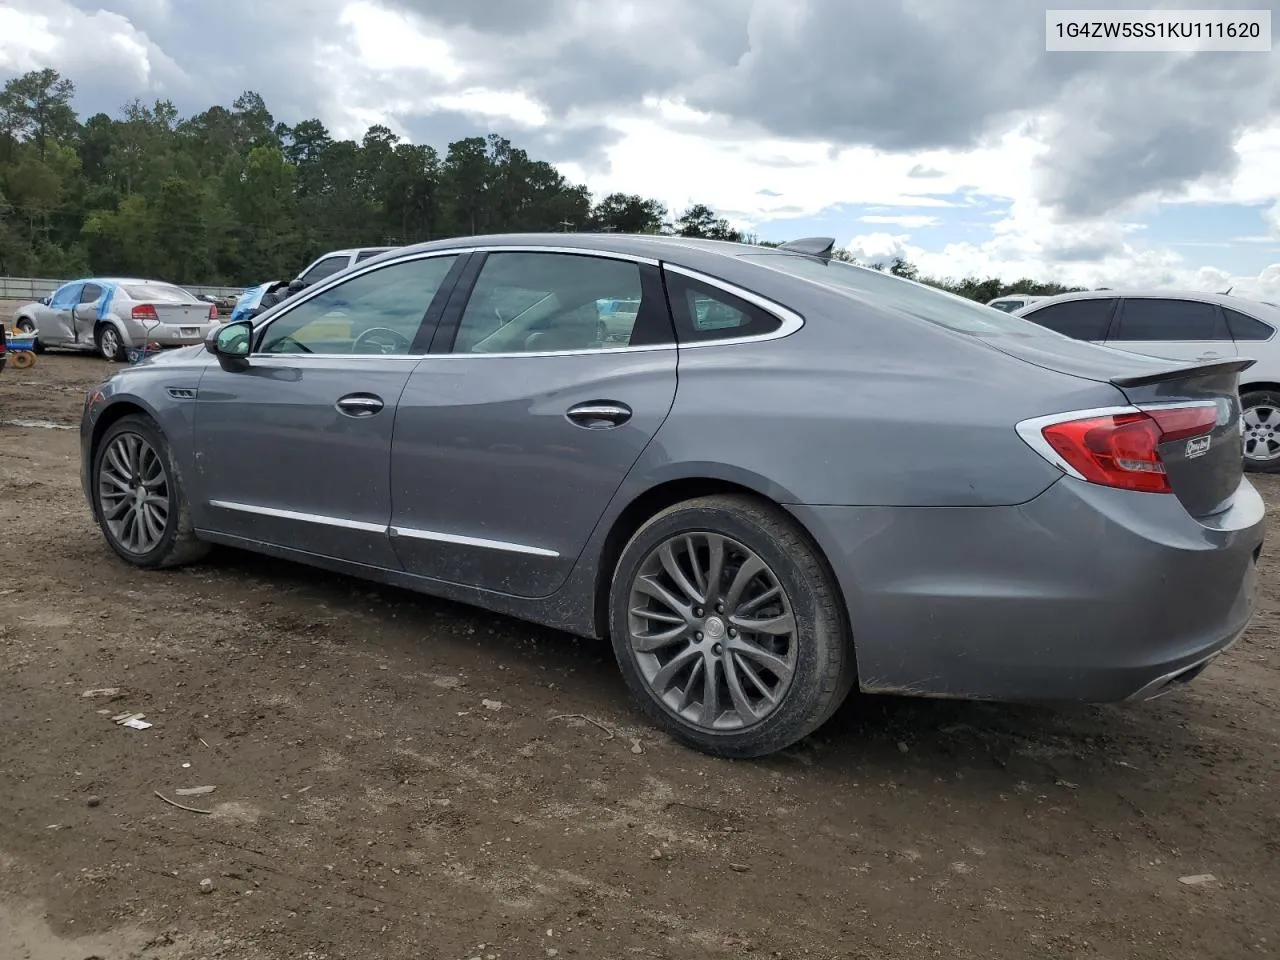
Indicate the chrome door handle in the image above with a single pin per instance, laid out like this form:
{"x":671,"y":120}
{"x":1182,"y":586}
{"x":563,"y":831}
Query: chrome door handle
{"x":599,"y":414}
{"x":359,"y":405}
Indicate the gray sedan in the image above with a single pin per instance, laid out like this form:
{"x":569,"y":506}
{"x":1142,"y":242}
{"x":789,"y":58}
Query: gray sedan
{"x":790,"y":478}
{"x":111,"y":315}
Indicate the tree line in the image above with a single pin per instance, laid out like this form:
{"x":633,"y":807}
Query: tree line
{"x":232,"y":197}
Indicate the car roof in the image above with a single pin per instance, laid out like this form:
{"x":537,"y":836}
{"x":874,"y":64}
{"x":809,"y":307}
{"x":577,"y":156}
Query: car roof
{"x":118,"y":281}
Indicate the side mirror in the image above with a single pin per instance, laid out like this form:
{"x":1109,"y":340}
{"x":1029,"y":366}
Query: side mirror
{"x":230,"y":344}
{"x":43,"y":301}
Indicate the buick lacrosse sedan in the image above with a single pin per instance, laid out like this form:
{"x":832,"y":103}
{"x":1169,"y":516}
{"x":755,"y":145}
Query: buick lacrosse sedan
{"x":786,"y":477}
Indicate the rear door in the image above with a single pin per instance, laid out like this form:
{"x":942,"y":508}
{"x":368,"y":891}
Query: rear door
{"x":513,"y":436}
{"x":85,"y":312}
{"x":1172,"y":328}
{"x":58,"y":319}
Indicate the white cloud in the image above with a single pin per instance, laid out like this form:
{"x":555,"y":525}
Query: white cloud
{"x":906,"y":221}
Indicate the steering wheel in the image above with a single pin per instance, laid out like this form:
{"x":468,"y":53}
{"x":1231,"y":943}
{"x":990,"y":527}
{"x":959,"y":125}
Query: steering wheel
{"x":398,"y":341}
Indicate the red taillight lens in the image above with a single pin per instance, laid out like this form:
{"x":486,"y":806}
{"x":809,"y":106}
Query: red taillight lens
{"x":145,"y":311}
{"x":1122,"y":450}
{"x":213,"y":311}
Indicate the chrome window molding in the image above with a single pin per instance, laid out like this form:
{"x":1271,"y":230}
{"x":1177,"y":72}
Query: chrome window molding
{"x":409,"y":533}
{"x":789,"y":320}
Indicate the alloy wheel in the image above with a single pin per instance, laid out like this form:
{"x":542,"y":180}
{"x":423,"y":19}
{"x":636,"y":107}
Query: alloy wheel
{"x":133,"y":490}
{"x":712,"y":631}
{"x":1262,"y":433}
{"x":110,"y":343}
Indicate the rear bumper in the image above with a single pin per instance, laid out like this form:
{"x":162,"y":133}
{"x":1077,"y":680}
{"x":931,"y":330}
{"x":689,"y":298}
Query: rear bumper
{"x":1082,"y":594}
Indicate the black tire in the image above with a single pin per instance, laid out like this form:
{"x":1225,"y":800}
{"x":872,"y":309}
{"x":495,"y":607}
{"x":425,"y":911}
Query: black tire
{"x":824,"y":670}
{"x":177,"y":545}
{"x":1262,"y":398}
{"x":26,"y":325}
{"x":102,"y":337}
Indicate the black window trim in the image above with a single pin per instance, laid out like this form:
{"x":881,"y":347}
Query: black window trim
{"x":1216,"y":307}
{"x":426,"y":328}
{"x":451,"y":320}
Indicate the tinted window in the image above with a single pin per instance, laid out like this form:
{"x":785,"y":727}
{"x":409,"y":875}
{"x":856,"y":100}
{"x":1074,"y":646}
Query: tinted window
{"x":325,"y":268}
{"x":90,"y":293}
{"x":159,"y":293}
{"x":704,"y":312}
{"x":549,"y":302}
{"x":1246,"y":328}
{"x":366,"y":254}
{"x":1077,"y":319}
{"x":1160,"y":319}
{"x":916,"y":299}
{"x":379,"y":312}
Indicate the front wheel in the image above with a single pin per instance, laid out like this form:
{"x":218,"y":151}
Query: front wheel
{"x":138,"y":497}
{"x":25,"y":325}
{"x":1261,"y":422}
{"x":728,"y":628}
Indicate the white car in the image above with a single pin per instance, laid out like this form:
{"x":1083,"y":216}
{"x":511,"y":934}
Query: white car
{"x":1187,"y":326}
{"x":333,"y":261}
{"x":1013,"y":302}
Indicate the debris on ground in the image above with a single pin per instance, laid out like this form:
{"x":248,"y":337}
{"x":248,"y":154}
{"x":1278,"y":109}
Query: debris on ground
{"x":194,"y":791}
{"x":1197,"y":879}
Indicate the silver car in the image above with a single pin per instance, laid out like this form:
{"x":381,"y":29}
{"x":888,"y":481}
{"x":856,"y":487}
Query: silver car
{"x":793,"y":476}
{"x":112,"y":315}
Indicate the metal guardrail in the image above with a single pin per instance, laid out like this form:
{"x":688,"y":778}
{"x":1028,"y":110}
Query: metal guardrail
{"x":30,"y":288}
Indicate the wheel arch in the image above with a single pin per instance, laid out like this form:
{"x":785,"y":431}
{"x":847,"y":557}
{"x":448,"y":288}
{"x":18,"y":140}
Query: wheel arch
{"x":111,"y":414}
{"x":668,"y":493}
{"x":1259,"y":385}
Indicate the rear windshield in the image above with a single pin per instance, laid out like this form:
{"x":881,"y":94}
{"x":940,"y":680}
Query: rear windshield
{"x":917,"y":299}
{"x":159,"y":293}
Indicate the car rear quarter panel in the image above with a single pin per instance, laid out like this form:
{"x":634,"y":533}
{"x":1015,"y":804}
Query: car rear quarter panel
{"x":862,"y":407}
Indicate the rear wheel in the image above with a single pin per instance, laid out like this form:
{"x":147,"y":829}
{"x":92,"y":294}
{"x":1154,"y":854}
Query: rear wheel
{"x":728,"y":628}
{"x":1261,"y":420}
{"x":139,"y":498}
{"x":109,"y":344}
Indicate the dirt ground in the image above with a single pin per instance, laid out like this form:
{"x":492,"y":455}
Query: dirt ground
{"x":398,"y":777}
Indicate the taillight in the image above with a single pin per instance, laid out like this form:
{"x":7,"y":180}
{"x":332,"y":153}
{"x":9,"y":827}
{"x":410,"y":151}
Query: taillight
{"x":1119,"y":449}
{"x":145,"y":311}
{"x":213,"y":312}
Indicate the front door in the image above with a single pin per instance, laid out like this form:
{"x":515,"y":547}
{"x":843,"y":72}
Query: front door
{"x":57,"y":325}
{"x":295,"y":450}
{"x":514,"y":435}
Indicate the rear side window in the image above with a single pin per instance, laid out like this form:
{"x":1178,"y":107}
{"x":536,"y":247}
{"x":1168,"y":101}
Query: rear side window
{"x":1154,"y":319}
{"x":90,"y":293}
{"x":1246,"y":328}
{"x":325,"y":268}
{"x":159,"y":293}
{"x":1077,"y":319}
{"x":703,"y":312}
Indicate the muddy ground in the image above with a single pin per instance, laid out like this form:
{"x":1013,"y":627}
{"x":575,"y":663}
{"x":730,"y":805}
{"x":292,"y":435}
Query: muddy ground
{"x":399,"y":777}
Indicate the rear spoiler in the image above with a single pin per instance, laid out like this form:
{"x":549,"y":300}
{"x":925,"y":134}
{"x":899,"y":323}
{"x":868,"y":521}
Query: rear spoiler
{"x":1212,"y":368}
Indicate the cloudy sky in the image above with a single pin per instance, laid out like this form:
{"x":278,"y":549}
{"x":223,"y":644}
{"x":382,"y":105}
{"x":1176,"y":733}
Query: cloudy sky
{"x":935,"y":129}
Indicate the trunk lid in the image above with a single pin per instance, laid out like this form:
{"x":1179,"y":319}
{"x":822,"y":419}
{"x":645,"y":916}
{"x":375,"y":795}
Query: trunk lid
{"x":1204,"y":470}
{"x":181,"y":314}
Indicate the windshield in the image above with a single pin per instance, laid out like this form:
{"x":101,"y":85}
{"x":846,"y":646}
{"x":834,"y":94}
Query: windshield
{"x":922,"y":301}
{"x":159,"y":293}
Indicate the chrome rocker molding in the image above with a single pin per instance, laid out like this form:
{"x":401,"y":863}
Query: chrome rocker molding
{"x":409,"y":533}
